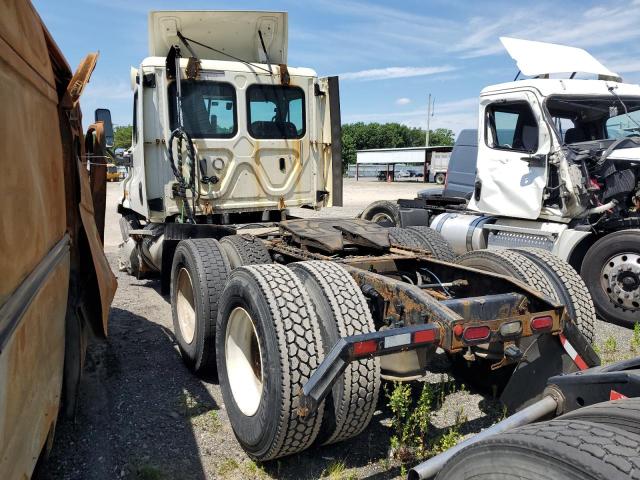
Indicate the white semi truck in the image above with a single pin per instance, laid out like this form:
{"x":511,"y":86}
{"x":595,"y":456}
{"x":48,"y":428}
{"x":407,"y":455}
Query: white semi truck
{"x":557,"y":168}
{"x":293,"y":313}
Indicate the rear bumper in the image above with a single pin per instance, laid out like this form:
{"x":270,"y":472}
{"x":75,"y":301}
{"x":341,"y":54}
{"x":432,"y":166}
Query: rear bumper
{"x":450,"y":337}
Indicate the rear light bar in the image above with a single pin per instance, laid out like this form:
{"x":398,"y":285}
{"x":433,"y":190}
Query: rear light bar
{"x":356,"y":347}
{"x":389,"y":340}
{"x":476,"y":334}
{"x":541,"y":323}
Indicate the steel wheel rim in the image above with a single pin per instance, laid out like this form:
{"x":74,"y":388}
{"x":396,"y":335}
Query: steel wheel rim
{"x":185,"y":306}
{"x":620,"y":279}
{"x":243,"y":360}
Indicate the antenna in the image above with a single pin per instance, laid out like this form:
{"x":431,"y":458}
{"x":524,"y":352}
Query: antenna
{"x":430,"y":108}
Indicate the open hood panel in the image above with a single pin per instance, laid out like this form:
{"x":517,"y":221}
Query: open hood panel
{"x":540,"y":58}
{"x":233,"y":32}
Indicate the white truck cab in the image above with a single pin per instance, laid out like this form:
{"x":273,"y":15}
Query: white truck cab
{"x":557,"y":168}
{"x":524,"y":168}
{"x":261,"y":130}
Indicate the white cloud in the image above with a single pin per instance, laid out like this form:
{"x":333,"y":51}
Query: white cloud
{"x":403,"y":101}
{"x":592,"y":28}
{"x":394,"y":72}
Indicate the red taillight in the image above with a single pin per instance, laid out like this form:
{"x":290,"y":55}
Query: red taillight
{"x":542,"y":323}
{"x":457,"y":330}
{"x":473,"y":334}
{"x":364,"y":348}
{"x":424,"y":336}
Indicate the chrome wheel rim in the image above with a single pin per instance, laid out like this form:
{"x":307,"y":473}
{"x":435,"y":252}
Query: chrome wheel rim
{"x":620,"y":279}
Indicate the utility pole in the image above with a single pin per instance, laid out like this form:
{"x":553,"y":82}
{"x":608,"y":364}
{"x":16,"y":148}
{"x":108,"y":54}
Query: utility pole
{"x":429,"y":115}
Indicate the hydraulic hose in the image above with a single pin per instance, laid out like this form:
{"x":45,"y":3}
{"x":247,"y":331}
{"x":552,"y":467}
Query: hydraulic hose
{"x":180,"y":135}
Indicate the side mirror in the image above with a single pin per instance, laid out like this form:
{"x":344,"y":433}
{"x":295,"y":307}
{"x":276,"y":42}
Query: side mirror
{"x":104,"y":115}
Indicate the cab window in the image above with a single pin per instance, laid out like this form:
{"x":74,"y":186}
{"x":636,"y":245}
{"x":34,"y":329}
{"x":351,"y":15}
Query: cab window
{"x":208,"y":109}
{"x":275,"y":112}
{"x":512,"y":126}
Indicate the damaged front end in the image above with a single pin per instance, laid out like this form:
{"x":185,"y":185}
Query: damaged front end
{"x":595,"y":174}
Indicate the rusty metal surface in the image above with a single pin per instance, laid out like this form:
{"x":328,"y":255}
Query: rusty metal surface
{"x":336,"y":235}
{"x":40,"y":208}
{"x":476,"y":298}
{"x":81,"y":77}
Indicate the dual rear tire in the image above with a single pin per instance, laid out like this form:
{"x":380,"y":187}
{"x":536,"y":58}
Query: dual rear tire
{"x":289,"y":319}
{"x":265,"y":328}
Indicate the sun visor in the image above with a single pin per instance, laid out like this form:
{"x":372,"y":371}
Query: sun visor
{"x":232,"y":32}
{"x":540,"y":58}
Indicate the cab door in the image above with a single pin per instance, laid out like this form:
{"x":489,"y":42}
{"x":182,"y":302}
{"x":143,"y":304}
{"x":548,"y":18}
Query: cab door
{"x":512,"y":156}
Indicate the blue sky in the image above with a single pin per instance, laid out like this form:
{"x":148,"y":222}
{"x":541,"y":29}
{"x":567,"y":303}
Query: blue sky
{"x":390,"y":55}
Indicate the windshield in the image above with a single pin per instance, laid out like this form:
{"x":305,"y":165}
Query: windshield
{"x":586,"y":119}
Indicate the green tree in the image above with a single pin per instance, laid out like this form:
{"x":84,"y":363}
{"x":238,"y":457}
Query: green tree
{"x":122,"y":136}
{"x":441,"y":136}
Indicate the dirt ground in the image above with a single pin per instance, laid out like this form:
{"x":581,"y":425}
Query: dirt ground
{"x":143,"y":415}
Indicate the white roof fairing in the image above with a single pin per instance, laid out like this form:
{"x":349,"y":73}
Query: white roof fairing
{"x":541,"y":58}
{"x":232,"y":32}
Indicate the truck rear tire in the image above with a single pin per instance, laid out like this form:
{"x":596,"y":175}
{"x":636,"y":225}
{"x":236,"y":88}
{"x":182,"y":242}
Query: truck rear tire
{"x":434,"y":242}
{"x":623,"y":414}
{"x":198,"y":274}
{"x":555,"y":450}
{"x":342,"y":311}
{"x":384,"y":212}
{"x":440,"y":178}
{"x":569,"y":288}
{"x":404,"y":237}
{"x":244,"y":250}
{"x":268,"y":344}
{"x":611,"y":270}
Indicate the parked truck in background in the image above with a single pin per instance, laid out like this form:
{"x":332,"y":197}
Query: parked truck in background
{"x":56,"y":284}
{"x":557,"y":167}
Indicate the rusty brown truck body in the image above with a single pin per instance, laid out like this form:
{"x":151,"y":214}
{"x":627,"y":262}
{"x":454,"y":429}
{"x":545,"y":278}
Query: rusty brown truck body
{"x":56,"y":285}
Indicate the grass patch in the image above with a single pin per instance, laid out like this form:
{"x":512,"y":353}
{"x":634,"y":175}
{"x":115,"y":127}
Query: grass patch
{"x":227,"y":466}
{"x":411,"y":422}
{"x":254,"y":471}
{"x":190,"y":406}
{"x":209,"y":421}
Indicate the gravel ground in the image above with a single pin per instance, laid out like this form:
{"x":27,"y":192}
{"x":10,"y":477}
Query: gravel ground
{"x":143,"y":415}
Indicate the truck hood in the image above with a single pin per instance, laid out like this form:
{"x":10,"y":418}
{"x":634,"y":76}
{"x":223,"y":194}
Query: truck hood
{"x":232,"y":32}
{"x":540,"y":58}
